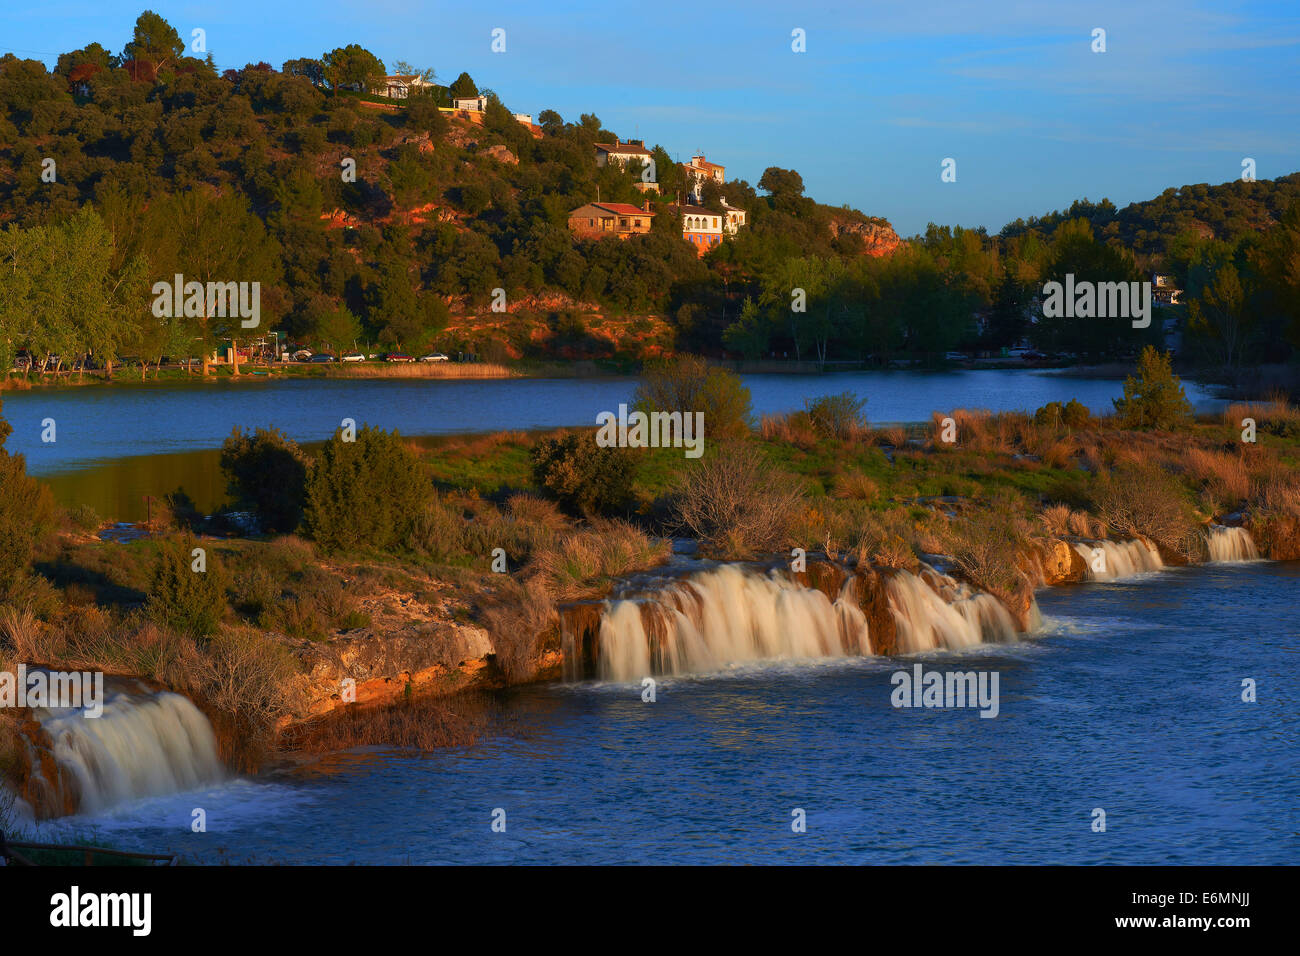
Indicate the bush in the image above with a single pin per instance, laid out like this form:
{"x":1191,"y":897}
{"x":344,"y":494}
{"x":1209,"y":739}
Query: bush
{"x":838,"y":416}
{"x":192,"y":602}
{"x":267,"y":475}
{"x":245,"y":678}
{"x":520,"y":616}
{"x":1157,"y":399}
{"x":364,"y":493}
{"x":688,"y":384}
{"x":582,"y":476}
{"x":735,"y":501}
{"x":27,"y":512}
{"x":1072,"y":415}
{"x":987,"y":547}
{"x":85,"y":517}
{"x":1143,"y":500}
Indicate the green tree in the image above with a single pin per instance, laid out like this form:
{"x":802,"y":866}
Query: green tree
{"x":463,"y":85}
{"x":266,"y":474}
{"x":352,"y":65}
{"x":364,"y":493}
{"x":26,"y":515}
{"x":749,"y":335}
{"x":154,"y":40}
{"x":1155,"y":399}
{"x":689,"y":384}
{"x":185,"y":599}
{"x":582,"y":476}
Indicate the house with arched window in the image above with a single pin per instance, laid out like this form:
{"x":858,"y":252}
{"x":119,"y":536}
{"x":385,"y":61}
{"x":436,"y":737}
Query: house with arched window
{"x":702,"y":228}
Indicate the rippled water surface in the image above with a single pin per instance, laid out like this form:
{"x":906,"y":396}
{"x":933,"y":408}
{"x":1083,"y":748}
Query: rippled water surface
{"x":1129,"y":700}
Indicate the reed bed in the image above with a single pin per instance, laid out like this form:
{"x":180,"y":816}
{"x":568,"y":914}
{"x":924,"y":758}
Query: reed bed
{"x":440,"y":370}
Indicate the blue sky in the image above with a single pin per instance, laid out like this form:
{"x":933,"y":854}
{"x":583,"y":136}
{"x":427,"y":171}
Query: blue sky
{"x":883,"y":94}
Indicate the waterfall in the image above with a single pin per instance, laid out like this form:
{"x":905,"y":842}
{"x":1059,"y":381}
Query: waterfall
{"x":146,"y":743}
{"x":724,"y":616}
{"x":731,"y":614}
{"x":1118,"y":559}
{"x":959,"y":617}
{"x":1230,"y":544}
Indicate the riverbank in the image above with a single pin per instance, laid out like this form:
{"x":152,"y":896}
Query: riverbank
{"x":252,"y":374}
{"x":495,"y":584}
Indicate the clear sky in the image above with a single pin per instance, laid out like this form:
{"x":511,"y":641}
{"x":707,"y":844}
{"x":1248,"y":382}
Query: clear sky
{"x":883,"y":94}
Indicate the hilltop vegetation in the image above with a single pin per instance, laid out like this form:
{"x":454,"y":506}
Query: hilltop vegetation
{"x":394,"y":223}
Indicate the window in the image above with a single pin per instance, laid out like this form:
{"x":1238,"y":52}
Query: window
{"x":622,"y":223}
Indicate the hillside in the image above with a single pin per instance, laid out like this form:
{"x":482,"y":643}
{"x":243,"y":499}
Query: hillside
{"x":1202,"y":211}
{"x":414,"y":224}
{"x":442,"y":208}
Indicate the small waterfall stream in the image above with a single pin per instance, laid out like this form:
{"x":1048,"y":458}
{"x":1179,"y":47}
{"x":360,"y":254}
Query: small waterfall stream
{"x":1230,"y":544}
{"x":146,"y":743}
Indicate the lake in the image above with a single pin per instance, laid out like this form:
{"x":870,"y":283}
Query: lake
{"x":114,"y":445}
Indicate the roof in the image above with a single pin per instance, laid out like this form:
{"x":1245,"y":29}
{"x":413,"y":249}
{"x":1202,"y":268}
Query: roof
{"x":704,"y":163}
{"x":624,"y":148}
{"x":623,"y":209}
{"x":693,"y":210}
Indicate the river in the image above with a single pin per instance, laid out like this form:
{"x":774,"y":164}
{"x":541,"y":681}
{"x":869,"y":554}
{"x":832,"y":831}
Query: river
{"x":1128,"y":699}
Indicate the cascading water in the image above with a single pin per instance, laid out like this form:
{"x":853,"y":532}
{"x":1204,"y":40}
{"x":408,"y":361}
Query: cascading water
{"x":956,"y":618}
{"x":723,"y":616}
{"x":1230,"y":544}
{"x":731,"y":614}
{"x":1118,"y":559}
{"x":146,"y":743}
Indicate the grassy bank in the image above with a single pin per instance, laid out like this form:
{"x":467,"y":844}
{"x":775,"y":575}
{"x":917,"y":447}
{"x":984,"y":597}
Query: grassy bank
{"x":426,"y":569}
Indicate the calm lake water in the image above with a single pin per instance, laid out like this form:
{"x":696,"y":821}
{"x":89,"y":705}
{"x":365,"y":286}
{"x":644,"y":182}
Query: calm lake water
{"x":116,"y":445}
{"x":1128,"y":700}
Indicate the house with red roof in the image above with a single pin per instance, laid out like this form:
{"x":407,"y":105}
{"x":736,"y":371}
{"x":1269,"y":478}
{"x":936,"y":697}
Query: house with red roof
{"x":596,"y":220}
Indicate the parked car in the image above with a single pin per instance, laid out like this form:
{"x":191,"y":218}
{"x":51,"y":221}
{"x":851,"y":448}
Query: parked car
{"x":302,"y":355}
{"x":434,"y":357}
{"x":353,"y":357}
{"x":398,"y":357}
{"x":955,"y":356}
{"x":322,"y":357}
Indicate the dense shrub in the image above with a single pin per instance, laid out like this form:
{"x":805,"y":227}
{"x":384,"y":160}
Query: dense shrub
{"x":838,"y":416}
{"x":581,"y":475}
{"x":687,"y":384}
{"x":1072,"y":415}
{"x":246,"y":680}
{"x":27,"y":512}
{"x":192,"y":602}
{"x":1144,"y":500}
{"x":737,"y":502}
{"x":1156,"y":399}
{"x":267,"y":475}
{"x":364,"y":493}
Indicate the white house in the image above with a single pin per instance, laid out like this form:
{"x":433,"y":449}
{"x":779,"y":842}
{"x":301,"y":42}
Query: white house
{"x":476,"y":104}
{"x":400,"y":86}
{"x":701,"y":227}
{"x":633,"y":151}
{"x":735,"y":217}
